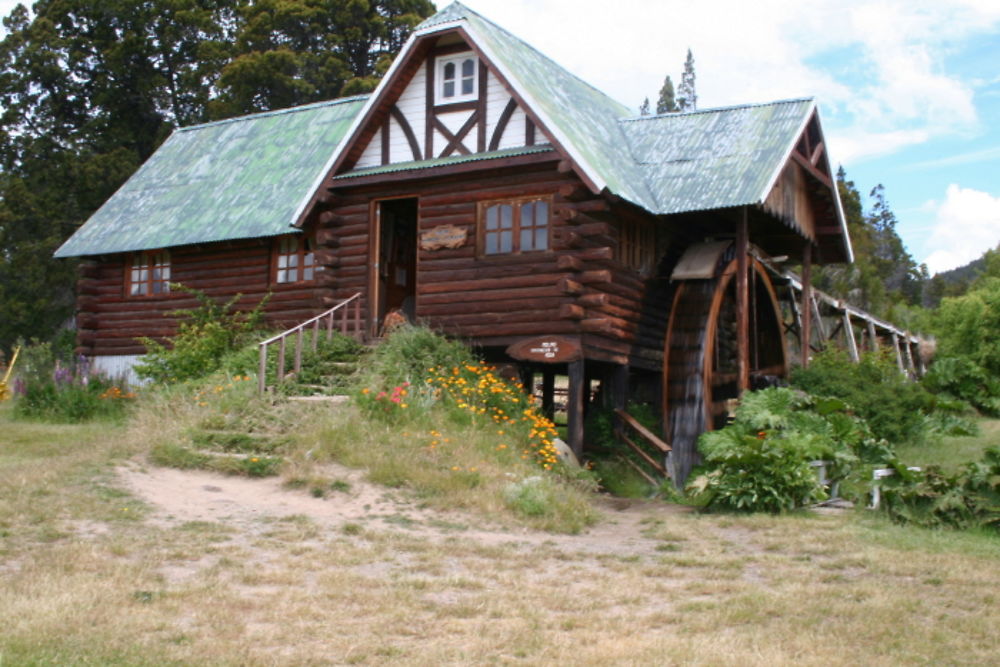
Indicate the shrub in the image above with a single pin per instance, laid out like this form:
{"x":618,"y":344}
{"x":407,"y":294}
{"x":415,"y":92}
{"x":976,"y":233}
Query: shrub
{"x":964,"y":379}
{"x":56,"y":390}
{"x":931,"y":498}
{"x":407,"y":353}
{"x":205,"y":336}
{"x":892,"y":406}
{"x":761,"y":462}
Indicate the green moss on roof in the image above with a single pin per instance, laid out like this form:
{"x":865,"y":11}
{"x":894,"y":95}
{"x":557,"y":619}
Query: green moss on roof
{"x":233,"y":179}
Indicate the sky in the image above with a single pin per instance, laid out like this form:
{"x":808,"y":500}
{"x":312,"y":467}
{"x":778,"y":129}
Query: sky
{"x":908,"y":90}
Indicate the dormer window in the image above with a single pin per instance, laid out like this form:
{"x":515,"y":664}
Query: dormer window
{"x":457,"y":79}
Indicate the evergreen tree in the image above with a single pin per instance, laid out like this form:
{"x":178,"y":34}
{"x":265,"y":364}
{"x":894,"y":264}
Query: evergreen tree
{"x":644,"y":107}
{"x":687,"y":97}
{"x":666,"y":102}
{"x":90,"y":88}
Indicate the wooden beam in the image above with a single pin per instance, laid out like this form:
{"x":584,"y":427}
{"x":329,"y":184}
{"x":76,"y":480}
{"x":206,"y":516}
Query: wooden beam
{"x":742,"y":304}
{"x":807,"y":304}
{"x":574,"y":407}
{"x":852,"y":343}
{"x":813,"y":171}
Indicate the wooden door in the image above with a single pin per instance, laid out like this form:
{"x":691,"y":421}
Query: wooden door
{"x":396,"y":263}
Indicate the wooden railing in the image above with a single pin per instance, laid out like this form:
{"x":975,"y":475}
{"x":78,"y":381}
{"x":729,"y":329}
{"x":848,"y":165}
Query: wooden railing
{"x":299,"y":330}
{"x":648,"y":436}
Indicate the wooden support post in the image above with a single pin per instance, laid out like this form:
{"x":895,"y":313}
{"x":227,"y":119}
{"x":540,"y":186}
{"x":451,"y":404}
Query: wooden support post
{"x":909,"y":355}
{"x":574,"y":406}
{"x":281,"y":360}
{"x":852,"y":344}
{"x":315,"y":336}
{"x":262,"y":370}
{"x":298,"y":351}
{"x":818,"y":321}
{"x":805,"y":333}
{"x":616,"y":396}
{"x":527,"y":378}
{"x":357,"y":318}
{"x":548,"y":393}
{"x":742,"y":304}
{"x":873,"y":337}
{"x":899,"y":355}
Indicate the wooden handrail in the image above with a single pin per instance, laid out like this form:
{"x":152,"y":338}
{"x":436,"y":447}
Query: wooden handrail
{"x":646,"y":435}
{"x":299,"y":331}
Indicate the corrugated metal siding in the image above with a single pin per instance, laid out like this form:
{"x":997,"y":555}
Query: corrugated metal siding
{"x":240,"y":178}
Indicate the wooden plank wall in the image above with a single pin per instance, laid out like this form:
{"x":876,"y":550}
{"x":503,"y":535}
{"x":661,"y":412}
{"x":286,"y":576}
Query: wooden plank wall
{"x":108,"y":321}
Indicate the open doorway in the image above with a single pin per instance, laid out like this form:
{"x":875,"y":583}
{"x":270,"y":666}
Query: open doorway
{"x":395,"y":268}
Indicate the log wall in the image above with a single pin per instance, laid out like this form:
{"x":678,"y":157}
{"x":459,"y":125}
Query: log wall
{"x":109,"y":321}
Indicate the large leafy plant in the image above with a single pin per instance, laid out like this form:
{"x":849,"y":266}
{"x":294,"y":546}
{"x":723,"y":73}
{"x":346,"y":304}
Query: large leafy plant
{"x":762,"y":461}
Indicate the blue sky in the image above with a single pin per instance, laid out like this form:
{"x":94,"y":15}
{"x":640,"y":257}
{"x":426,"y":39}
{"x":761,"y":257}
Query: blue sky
{"x":909,"y":90}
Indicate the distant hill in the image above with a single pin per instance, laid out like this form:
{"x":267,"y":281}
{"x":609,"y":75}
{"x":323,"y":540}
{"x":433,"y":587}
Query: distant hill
{"x":963,"y":274}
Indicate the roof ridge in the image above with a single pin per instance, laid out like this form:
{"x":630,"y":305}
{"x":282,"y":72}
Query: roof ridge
{"x":274,"y":112}
{"x":731,"y":107}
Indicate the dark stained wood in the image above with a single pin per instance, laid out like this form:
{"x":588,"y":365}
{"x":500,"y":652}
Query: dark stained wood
{"x":575,"y":406}
{"x":385,"y":142}
{"x":806,"y":334}
{"x":547,"y":350}
{"x":742,"y":304}
{"x":484,"y":74}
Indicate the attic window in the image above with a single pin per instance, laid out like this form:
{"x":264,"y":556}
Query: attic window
{"x":149,"y":274}
{"x":295,"y":260}
{"x":514,"y":226}
{"x":456,"y":79}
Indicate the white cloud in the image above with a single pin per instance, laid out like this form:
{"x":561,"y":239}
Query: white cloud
{"x":967,"y":224}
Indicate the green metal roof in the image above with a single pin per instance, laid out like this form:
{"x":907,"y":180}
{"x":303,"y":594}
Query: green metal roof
{"x":233,"y":179}
{"x":414,"y":165}
{"x":714,"y":158}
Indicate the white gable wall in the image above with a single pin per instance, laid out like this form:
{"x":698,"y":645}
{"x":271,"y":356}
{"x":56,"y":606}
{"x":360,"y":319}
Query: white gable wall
{"x":412,"y":103}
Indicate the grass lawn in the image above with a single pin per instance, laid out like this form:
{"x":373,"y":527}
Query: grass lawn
{"x":952,"y":453}
{"x":92,"y":575}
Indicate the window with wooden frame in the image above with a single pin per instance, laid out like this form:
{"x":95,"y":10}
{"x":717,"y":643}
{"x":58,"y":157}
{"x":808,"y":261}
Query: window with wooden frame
{"x":149,"y":273}
{"x":294,"y":259}
{"x":637,"y":245}
{"x":514,"y":226}
{"x":457,"y":81}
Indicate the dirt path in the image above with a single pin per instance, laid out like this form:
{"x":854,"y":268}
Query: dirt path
{"x":180,"y":496}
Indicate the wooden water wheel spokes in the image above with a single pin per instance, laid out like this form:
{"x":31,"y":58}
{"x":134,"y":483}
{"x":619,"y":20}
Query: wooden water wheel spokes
{"x":700,"y":369}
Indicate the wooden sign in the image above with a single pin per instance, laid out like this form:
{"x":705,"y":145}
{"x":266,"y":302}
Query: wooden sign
{"x":546,"y":349}
{"x":444,"y":236}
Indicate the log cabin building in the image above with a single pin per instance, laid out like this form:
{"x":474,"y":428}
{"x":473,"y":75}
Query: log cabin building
{"x":486,"y":191}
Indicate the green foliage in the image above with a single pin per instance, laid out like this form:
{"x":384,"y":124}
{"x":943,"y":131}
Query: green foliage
{"x":90,"y":89}
{"x":966,"y":326}
{"x":666,"y":103}
{"x":65,"y":390}
{"x":608,"y":454}
{"x":761,"y":462}
{"x":409,"y":351}
{"x":966,"y":499}
{"x":205,"y":336}
{"x":893,"y":407}
{"x":964,"y":379}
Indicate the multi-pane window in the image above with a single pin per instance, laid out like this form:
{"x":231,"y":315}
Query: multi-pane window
{"x":149,"y":273}
{"x":458,"y":79}
{"x":514,"y":226}
{"x":295,"y":261}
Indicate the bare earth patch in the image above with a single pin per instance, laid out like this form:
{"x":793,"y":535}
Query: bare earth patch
{"x":180,"y":496}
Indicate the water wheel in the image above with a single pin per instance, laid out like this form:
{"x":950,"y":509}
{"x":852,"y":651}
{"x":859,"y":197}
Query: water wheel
{"x":700,"y":372}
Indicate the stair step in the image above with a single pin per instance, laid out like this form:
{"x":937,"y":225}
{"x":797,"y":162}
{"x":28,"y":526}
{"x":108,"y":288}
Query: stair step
{"x":337,"y":399}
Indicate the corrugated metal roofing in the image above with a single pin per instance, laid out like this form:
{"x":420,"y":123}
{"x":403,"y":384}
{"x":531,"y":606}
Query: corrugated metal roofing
{"x":715,"y":158}
{"x":232,"y":179}
{"x":442,"y":161}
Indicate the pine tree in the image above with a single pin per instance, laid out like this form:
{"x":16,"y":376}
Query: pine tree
{"x":666,"y":102}
{"x":644,"y":107}
{"x":687,"y":97}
